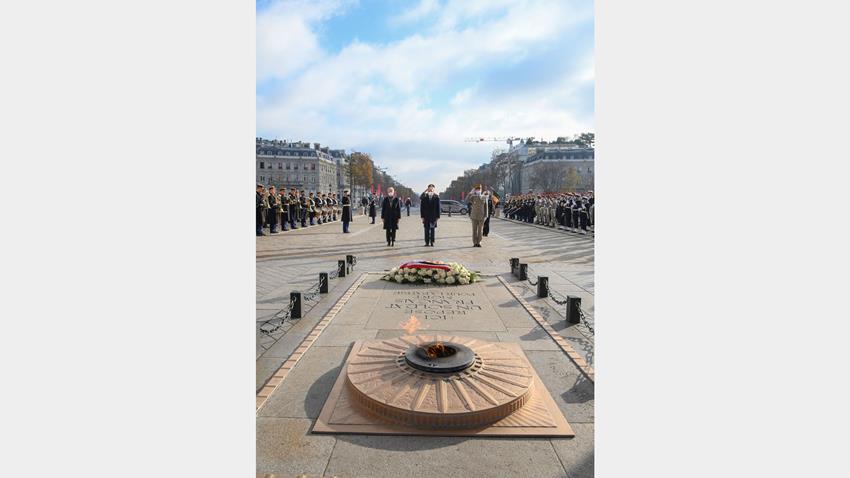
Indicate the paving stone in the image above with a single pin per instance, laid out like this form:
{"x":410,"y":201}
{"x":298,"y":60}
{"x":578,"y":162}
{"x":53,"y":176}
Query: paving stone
{"x":569,"y":388}
{"x":387,"y":456}
{"x":576,"y":454}
{"x":266,"y":367}
{"x":284,"y":447}
{"x":343,"y":335}
{"x":283,"y":348}
{"x":529,"y":338}
{"x":305,"y":389}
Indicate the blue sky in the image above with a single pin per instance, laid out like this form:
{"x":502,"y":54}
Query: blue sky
{"x":408,"y":81}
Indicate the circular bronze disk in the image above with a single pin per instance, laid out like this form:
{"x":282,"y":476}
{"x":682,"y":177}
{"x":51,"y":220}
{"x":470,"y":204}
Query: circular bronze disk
{"x":383,"y":382}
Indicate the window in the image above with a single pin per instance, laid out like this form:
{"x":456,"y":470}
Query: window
{"x":262,"y":165}
{"x":287,"y":166}
{"x":279,"y":165}
{"x":313,"y":167}
{"x":296,"y":166}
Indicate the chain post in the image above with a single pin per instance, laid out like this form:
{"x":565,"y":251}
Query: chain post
{"x":295,"y":300}
{"x":323,"y":282}
{"x":514,"y":265}
{"x":523,"y":271}
{"x":341,"y":267}
{"x":573,"y":309}
{"x":542,"y":286}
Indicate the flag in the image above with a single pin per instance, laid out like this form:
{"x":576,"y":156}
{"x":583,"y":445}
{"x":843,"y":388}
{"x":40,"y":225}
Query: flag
{"x":379,"y":190}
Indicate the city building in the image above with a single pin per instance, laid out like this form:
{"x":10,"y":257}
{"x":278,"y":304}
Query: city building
{"x":563,"y":158}
{"x":299,"y":165}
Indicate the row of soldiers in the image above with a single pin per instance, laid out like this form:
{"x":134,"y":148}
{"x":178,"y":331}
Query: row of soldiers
{"x":569,"y":211}
{"x":278,"y":209}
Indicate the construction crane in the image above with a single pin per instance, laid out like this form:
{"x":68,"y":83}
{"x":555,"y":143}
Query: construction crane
{"x":510,"y":142}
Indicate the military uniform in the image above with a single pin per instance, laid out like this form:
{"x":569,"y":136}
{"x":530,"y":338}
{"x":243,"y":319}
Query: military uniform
{"x":302,"y":205}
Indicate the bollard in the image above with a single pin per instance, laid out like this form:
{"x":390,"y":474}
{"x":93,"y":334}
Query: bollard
{"x":341,"y":267}
{"x":323,"y":282}
{"x":573,"y":310}
{"x":514,"y":265}
{"x":542,"y":286}
{"x":349,"y":259}
{"x":523,"y":271}
{"x":295,"y":298}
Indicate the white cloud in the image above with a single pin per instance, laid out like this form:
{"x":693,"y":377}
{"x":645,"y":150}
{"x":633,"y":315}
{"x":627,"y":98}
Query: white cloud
{"x":421,"y":10}
{"x":376,"y":97}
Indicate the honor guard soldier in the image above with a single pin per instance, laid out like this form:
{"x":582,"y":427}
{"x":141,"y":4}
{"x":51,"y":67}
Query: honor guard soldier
{"x":274,"y":209}
{"x":284,"y":209}
{"x":311,"y":209}
{"x":261,"y":211}
{"x":346,"y":211}
{"x":302,"y":206}
{"x":293,"y":208}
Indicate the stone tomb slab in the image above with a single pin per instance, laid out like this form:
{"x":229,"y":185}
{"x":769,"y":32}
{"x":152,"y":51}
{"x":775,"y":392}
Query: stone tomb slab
{"x":539,"y":417}
{"x":455,"y":308}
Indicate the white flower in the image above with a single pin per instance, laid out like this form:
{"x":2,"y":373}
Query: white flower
{"x":464,"y":280}
{"x":399,"y":278}
{"x":424,"y":272}
{"x":393,"y":270}
{"x":427,"y":281}
{"x":410,"y":277}
{"x":441,"y":281}
{"x":450,"y":280}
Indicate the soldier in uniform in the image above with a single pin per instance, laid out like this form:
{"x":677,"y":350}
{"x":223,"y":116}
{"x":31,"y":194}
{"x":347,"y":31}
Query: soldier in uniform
{"x":334,"y":206}
{"x":302,"y":206}
{"x":274,"y":209}
{"x":293,"y":208}
{"x":582,"y":215}
{"x":321,"y":208}
{"x":346,"y":211}
{"x":284,"y":209}
{"x":261,"y":210}
{"x":372,"y":205}
{"x":489,"y":198}
{"x":311,"y":208}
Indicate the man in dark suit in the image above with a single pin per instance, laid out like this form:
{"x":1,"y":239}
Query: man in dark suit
{"x":429,"y":211}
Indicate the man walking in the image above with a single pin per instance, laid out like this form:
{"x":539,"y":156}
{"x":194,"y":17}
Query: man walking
{"x":407,"y":205}
{"x":489,"y":199}
{"x":477,"y":212}
{"x":429,"y":211}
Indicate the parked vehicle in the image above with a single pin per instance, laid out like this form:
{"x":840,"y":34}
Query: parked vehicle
{"x":452,"y":206}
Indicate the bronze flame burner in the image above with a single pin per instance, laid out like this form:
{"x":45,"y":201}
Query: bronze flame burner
{"x":440,"y":357}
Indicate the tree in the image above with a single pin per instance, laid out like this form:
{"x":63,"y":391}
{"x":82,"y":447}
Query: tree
{"x":549,"y":177}
{"x":361,"y":167}
{"x":573,"y":179}
{"x":586,"y":140}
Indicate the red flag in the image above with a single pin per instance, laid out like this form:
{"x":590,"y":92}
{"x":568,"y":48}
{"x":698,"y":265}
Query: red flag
{"x":461,"y":195}
{"x":379,"y":190}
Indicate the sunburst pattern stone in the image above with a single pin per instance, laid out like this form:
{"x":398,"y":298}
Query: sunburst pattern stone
{"x":498,"y":383}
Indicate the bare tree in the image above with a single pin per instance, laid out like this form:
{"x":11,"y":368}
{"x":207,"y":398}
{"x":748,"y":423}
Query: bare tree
{"x":549,"y":176}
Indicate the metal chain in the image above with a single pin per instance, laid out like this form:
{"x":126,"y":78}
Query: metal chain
{"x":584,"y":321}
{"x":272,"y":325}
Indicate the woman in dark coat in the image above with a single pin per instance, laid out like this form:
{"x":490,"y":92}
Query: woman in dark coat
{"x":391,"y":214}
{"x":372,"y":209}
